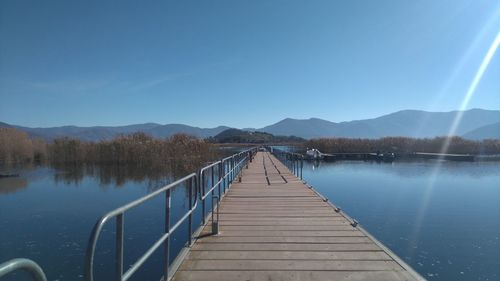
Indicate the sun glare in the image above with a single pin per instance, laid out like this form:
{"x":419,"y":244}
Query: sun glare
{"x":452,"y":132}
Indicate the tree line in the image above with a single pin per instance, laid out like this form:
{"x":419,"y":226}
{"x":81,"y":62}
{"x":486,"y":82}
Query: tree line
{"x":177,"y":152}
{"x":17,"y":147}
{"x":404,"y":145}
{"x":183,"y":152}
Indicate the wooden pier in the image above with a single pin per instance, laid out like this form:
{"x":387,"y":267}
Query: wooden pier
{"x":273,"y":226}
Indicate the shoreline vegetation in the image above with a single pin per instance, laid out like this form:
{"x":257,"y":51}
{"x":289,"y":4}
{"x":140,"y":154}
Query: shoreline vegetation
{"x":182,"y":152}
{"x":406,"y":145}
{"x":137,"y":150}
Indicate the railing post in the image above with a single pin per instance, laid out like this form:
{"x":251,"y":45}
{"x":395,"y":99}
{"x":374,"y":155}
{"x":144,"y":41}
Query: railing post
{"x":220,"y":179}
{"x":296,"y":160}
{"x":166,"y":249}
{"x":215,"y":223}
{"x":190,"y":221}
{"x":202,"y":180}
{"x":301,"y":166}
{"x":213,"y":180}
{"x":119,"y":248}
{"x":232,"y":169}
{"x":225,"y":176}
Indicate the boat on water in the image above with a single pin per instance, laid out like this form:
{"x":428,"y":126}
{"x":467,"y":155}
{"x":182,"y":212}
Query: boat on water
{"x":382,"y":157}
{"x":315,"y":154}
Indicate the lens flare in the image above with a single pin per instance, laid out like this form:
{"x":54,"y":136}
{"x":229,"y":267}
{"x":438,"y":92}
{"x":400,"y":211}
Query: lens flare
{"x":459,"y":67}
{"x":470,"y":92}
{"x":451,"y":133}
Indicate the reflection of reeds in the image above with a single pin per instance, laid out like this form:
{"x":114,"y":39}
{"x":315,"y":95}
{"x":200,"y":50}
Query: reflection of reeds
{"x":404,"y":145}
{"x":11,"y":185}
{"x":117,"y":175}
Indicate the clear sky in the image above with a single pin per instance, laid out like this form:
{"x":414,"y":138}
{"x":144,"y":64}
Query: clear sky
{"x":241,"y":63}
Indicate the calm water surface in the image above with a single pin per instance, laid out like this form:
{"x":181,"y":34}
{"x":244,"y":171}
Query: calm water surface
{"x":47,"y":215}
{"x":447,"y":228}
{"x":445,"y":223}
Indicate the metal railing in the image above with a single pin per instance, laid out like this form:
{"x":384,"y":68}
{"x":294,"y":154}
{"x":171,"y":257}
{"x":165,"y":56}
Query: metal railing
{"x":219,"y":175}
{"x":224,"y":170}
{"x":294,"y":161}
{"x":30,"y":266}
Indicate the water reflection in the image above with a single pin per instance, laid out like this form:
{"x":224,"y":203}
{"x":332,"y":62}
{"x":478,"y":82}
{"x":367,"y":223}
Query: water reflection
{"x":11,"y":185}
{"x":458,"y":232}
{"x":416,"y":168}
{"x":118,"y":175}
{"x":50,"y":220}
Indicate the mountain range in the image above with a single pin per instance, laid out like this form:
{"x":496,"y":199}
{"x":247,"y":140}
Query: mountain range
{"x":475,"y":124}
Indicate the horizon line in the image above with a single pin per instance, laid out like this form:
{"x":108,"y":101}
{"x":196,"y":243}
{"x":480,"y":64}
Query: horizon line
{"x":246,"y":127}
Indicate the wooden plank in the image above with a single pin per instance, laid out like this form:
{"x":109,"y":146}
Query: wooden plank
{"x":268,"y":209}
{"x":228,"y":198}
{"x":287,"y":255}
{"x":267,"y":195}
{"x":344,"y":227}
{"x":274,"y":275}
{"x":267,"y":239}
{"x":299,"y":233}
{"x":270,"y":206}
{"x":289,"y":265}
{"x":285,"y":247}
{"x":277,"y":205}
{"x":283,"y":222}
{"x":279,"y":213}
{"x":301,"y":217}
{"x":279,"y":202}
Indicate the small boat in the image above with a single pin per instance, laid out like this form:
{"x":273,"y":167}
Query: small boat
{"x":314,"y":154}
{"x":382,"y":157}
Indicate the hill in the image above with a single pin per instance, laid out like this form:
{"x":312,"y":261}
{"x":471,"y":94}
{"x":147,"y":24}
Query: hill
{"x":306,"y":128}
{"x":486,"y":132}
{"x":241,"y":136}
{"x":98,"y":133}
{"x":409,"y":123}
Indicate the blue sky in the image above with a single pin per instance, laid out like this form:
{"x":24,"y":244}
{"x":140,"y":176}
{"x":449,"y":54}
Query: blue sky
{"x":241,"y":63}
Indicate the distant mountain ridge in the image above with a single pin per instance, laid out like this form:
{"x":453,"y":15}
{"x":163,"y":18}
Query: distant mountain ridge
{"x":409,"y":123}
{"x":491,"y":131}
{"x":475,"y":124}
{"x":98,"y":133}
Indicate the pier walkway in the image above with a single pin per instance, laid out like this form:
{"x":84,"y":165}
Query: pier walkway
{"x":272,"y":226}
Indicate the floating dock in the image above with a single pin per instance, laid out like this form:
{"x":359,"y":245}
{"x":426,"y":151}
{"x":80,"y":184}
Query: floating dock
{"x":443,"y":156}
{"x":273,"y":226}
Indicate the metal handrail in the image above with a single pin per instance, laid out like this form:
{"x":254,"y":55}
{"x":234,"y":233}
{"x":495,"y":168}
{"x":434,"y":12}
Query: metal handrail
{"x":294,"y":161}
{"x":30,"y":266}
{"x":119,"y":214}
{"x":228,"y":169}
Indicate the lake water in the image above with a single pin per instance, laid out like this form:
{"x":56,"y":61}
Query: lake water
{"x":446,"y":224}
{"x":442,"y":218}
{"x":47,"y":215}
